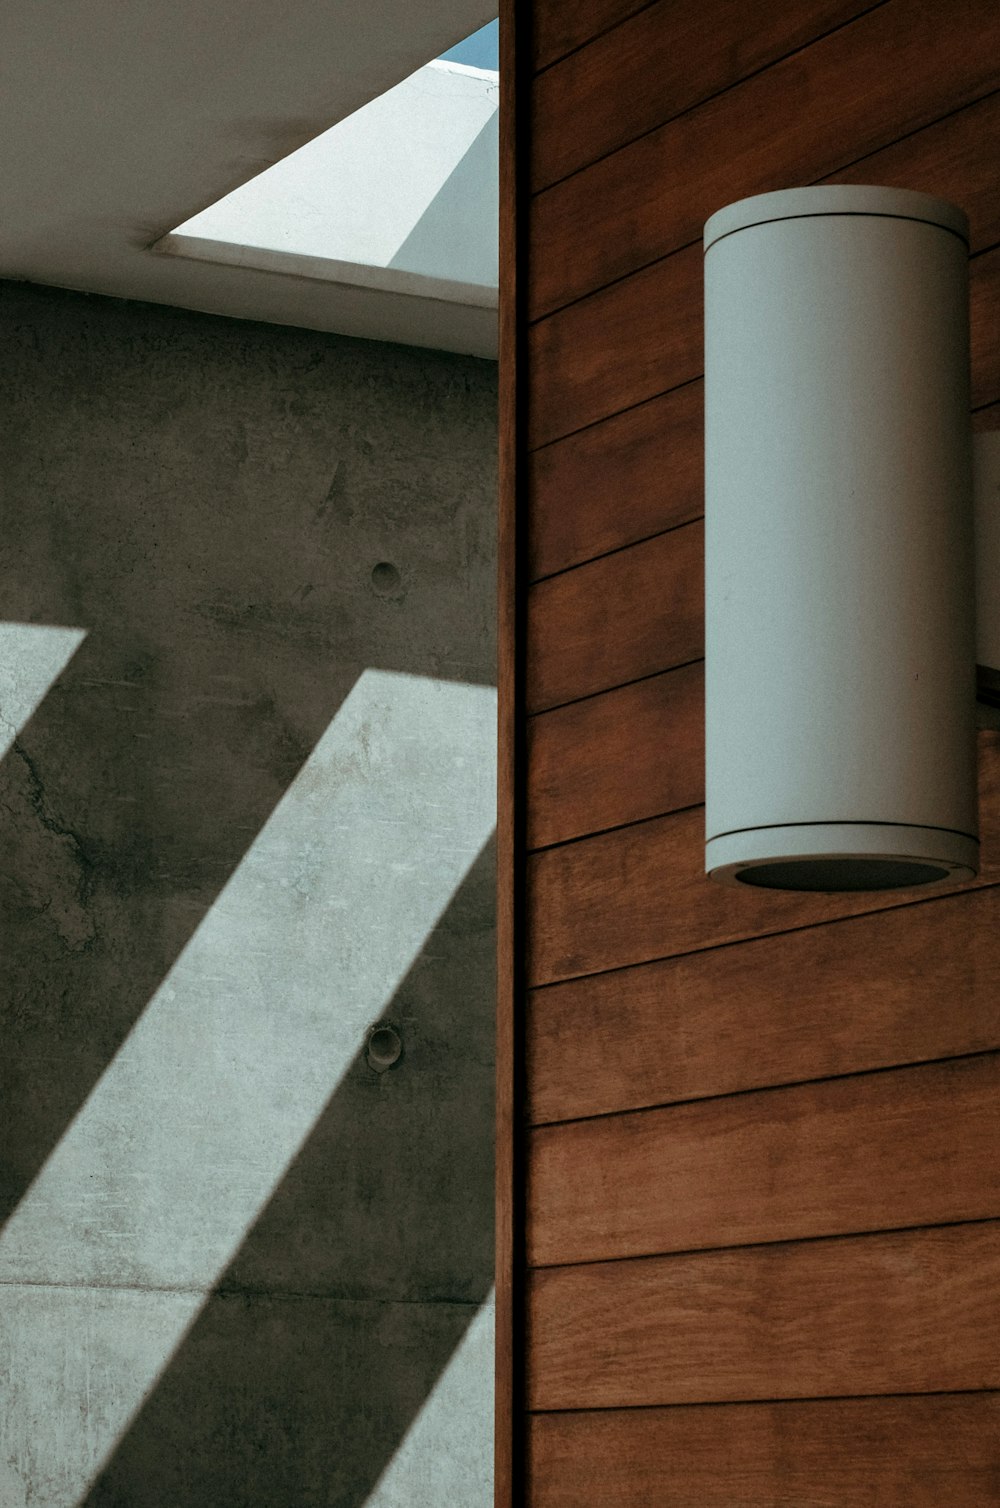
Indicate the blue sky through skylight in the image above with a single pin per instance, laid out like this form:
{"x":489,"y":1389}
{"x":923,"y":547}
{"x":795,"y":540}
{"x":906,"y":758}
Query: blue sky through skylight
{"x":481,"y":50}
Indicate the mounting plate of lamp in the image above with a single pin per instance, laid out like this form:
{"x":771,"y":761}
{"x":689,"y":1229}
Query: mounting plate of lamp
{"x":847,"y":606}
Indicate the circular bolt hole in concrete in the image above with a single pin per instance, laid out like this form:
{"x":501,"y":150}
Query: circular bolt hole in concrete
{"x":385,"y":1048}
{"x":387,"y":582}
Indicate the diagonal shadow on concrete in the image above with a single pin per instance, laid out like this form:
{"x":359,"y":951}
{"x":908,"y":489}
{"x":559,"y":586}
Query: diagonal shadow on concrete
{"x":306,"y":1367}
{"x":449,"y":232}
{"x":206,"y":499}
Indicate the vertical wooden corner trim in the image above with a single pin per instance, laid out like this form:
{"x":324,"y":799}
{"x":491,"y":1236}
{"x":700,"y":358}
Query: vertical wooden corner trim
{"x":509,"y":1432}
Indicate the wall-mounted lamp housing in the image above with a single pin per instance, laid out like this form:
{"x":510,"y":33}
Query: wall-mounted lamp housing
{"x":840,"y":649}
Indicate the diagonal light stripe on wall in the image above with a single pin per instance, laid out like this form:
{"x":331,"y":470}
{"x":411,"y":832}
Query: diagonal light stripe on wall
{"x":32,"y":656}
{"x":194,"y":1123}
{"x":437,"y":1462}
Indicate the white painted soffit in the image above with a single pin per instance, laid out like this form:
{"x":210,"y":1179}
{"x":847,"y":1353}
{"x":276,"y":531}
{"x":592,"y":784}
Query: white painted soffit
{"x":119,"y":122}
{"x":401,"y":196}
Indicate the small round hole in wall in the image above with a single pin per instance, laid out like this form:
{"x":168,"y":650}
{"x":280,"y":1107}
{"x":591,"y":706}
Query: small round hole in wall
{"x":386,"y":580}
{"x":384,"y":1049}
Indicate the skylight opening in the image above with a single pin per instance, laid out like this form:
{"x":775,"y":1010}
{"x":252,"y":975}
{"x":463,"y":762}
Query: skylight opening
{"x":399,"y":196}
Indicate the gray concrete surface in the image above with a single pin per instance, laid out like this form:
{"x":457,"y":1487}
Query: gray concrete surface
{"x":245,"y":807}
{"x":119,"y":122}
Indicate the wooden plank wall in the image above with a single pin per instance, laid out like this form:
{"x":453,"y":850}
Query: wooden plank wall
{"x":762,"y":1227}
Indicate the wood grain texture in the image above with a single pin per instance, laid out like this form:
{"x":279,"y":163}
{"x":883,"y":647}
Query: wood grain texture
{"x":782,"y":1045}
{"x":616,"y":758}
{"x":953,"y":158}
{"x":913,"y":1146}
{"x":641,"y":337}
{"x":620,"y":756}
{"x":623,"y":616}
{"x":840,"y":1453}
{"x":628,"y":477}
{"x":509,"y":1238}
{"x":657,"y":64}
{"x":620,"y":346}
{"x":899,"y":986}
{"x":806,"y":117}
{"x":640,"y":893}
{"x":558,"y":29}
{"x":907,"y":1312}
{"x":640,"y":471}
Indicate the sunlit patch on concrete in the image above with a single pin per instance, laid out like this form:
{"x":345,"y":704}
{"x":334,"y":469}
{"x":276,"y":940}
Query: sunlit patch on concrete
{"x":187,"y":1134}
{"x":436,"y":1461}
{"x":32,"y":657}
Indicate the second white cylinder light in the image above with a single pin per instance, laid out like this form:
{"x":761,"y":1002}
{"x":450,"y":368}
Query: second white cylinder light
{"x":840,"y":668}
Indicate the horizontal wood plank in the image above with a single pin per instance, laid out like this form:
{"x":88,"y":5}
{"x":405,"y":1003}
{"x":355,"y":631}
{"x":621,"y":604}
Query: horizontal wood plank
{"x":618,"y":618}
{"x":559,"y":29}
{"x":639,"y":611}
{"x":642,"y":337}
{"x":916,"y":1452}
{"x":899,"y":986}
{"x":915,"y":1146}
{"x":584,"y":777}
{"x":655,"y":65}
{"x":640,"y":471}
{"x":953,"y":158}
{"x":616,"y":758}
{"x":628,"y":477}
{"x":806,"y":117}
{"x":641,"y":893}
{"x":907,"y":1312}
{"x":619,"y":347}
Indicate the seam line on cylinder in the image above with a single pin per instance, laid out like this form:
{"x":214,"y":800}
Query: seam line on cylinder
{"x":838,"y":214}
{"x":766,"y":827}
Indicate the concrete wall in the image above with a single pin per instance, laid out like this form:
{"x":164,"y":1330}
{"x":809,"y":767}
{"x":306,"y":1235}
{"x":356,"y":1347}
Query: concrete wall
{"x":246,"y":798}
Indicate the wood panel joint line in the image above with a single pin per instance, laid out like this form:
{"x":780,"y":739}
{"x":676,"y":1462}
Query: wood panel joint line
{"x":876,"y":1071}
{"x":750,"y":1403}
{"x":658,"y":397}
{"x":675,"y":251}
{"x":644,"y":539}
{"x":874,"y":1234}
{"x":589,"y":696}
{"x":593,"y":423}
{"x":617,"y":827}
{"x":604,"y":32}
{"x":830,"y":921}
{"x":629,"y":408}
{"x":581,"y":298}
{"x":707,"y":99}
{"x":938,"y":120}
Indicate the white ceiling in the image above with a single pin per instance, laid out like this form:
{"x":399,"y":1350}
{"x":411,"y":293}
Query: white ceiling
{"x":119,"y":119}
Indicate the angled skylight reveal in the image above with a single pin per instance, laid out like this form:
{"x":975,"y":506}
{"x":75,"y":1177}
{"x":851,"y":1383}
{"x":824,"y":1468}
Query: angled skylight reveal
{"x":400,"y":196}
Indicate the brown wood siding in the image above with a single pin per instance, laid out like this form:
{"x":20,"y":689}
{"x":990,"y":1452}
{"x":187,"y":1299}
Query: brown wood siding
{"x":877,"y":1151}
{"x":779,"y":1010}
{"x":509,"y":1428}
{"x":761,"y":1200}
{"x":904,"y":1312}
{"x":663,"y":60}
{"x":825,"y":1454}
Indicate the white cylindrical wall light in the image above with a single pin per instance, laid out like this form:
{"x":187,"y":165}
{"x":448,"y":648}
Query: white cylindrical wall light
{"x":840,"y":664}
